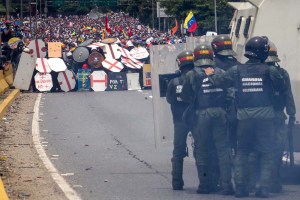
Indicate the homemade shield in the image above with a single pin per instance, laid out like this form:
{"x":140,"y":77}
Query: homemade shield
{"x":66,"y":80}
{"x":80,"y":54}
{"x":133,"y":81}
{"x":112,"y":51}
{"x":43,"y":82}
{"x":95,"y":59}
{"x":37,"y":48}
{"x":54,"y":49}
{"x":85,"y":43}
{"x":112,"y":65}
{"x":139,"y":53}
{"x":84,"y":83}
{"x":98,"y":81}
{"x":57,"y":64}
{"x":42,"y":65}
{"x":25,"y":71}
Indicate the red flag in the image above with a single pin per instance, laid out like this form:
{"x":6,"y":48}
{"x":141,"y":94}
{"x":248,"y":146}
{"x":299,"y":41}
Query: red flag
{"x":108,"y":29}
{"x":175,"y":28}
{"x":130,"y":32}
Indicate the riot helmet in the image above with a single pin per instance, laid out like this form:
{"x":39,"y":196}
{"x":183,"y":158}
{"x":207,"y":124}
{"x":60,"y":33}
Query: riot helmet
{"x":272,"y":56}
{"x":257,"y":47}
{"x":203,"y":56}
{"x":185,"y":58}
{"x":222,"y":45}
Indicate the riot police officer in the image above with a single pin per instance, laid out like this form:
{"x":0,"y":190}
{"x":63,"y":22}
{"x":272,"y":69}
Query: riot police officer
{"x":181,"y":129}
{"x":224,"y":58}
{"x":283,"y":100}
{"x":254,"y":81}
{"x":210,"y":128}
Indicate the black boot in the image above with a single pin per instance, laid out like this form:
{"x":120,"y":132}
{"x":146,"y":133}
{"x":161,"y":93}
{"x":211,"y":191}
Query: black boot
{"x":262,"y":192}
{"x":241,"y":191}
{"x":177,"y":168}
{"x":203,"y":175}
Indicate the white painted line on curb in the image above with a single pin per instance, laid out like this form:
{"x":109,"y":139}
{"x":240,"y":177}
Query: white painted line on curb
{"x":61,"y":182}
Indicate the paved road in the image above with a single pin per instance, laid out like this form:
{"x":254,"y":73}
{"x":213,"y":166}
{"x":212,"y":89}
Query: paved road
{"x":103,"y":144}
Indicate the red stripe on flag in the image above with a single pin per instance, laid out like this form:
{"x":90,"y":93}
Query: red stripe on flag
{"x":67,"y":80}
{"x":37,"y":49}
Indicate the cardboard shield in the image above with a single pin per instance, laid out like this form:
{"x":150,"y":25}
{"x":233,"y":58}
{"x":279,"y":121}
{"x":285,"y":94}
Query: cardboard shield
{"x":129,"y":63}
{"x":96,"y":45}
{"x":95,"y":59}
{"x":9,"y":74}
{"x":37,"y":48}
{"x":117,"y":81}
{"x":42,"y":65}
{"x":43,"y":82}
{"x":147,"y":75}
{"x":85,"y":43}
{"x":84,"y":79}
{"x":112,"y":65}
{"x":66,"y":80}
{"x":57,"y":64}
{"x":125,"y":53}
{"x":98,"y":81}
{"x":25,"y":71}
{"x":133,"y":81}
{"x":80,"y":54}
{"x":139,"y":53}
{"x":54,"y":49}
{"x":112,"y":51}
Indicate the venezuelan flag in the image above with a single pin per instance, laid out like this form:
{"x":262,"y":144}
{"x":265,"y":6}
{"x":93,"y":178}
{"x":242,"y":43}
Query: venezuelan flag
{"x":190,"y":23}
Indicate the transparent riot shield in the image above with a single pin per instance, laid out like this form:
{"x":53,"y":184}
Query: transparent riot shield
{"x":163,"y":61}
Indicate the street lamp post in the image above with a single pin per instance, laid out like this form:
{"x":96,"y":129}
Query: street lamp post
{"x":152,"y":15}
{"x":216,"y":22}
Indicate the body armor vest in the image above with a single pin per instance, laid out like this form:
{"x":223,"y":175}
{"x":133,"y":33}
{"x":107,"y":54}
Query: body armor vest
{"x":254,"y":86}
{"x":210,"y":96}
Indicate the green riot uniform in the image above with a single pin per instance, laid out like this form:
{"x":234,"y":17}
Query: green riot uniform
{"x":282,"y":100}
{"x":255,"y":113}
{"x":210,"y":126}
{"x":181,"y":129}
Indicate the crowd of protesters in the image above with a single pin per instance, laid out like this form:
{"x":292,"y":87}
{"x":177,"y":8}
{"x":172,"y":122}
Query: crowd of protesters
{"x":72,"y":30}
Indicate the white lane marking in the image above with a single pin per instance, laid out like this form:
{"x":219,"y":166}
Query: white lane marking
{"x":61,"y":182}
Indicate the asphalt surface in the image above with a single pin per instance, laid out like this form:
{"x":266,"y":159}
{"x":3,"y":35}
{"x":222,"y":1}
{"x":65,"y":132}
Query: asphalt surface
{"x":103,"y":144}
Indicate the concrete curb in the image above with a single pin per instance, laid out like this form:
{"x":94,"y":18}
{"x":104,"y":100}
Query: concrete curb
{"x":3,"y":107}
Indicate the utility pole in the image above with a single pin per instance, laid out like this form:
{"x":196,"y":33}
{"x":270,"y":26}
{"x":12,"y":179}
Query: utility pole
{"x":21,"y":10}
{"x":7,"y":8}
{"x":216,"y":22}
{"x":152,"y":15}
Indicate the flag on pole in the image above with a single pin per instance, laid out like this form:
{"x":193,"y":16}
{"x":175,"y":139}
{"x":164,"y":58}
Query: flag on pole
{"x":108,"y":29}
{"x":190,"y":23}
{"x":175,"y":28}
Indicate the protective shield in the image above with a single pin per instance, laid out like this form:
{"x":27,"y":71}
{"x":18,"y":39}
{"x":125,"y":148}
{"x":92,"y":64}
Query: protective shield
{"x":85,"y":43}
{"x":112,"y":65}
{"x":41,"y":65}
{"x":133,"y":81}
{"x":37,"y":48}
{"x":96,"y":45}
{"x":43,"y":82}
{"x":80,"y":54}
{"x":95,"y":59}
{"x":57,"y":64}
{"x":163,"y":67}
{"x":98,"y":81}
{"x":112,"y":51}
{"x":25,"y":71}
{"x":66,"y":80}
